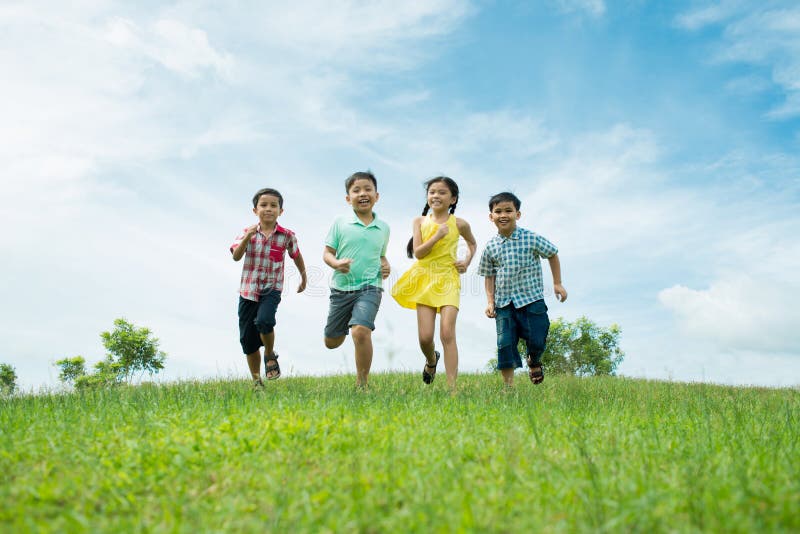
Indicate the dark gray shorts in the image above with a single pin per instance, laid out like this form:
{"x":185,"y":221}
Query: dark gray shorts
{"x":349,"y":308}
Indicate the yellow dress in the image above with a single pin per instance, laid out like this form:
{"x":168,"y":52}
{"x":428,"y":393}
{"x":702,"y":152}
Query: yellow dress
{"x":433,"y":280}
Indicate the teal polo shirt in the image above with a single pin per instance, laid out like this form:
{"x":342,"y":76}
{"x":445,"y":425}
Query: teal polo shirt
{"x":364,"y":244}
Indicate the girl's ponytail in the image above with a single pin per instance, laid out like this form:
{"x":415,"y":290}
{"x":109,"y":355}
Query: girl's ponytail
{"x":410,"y":246}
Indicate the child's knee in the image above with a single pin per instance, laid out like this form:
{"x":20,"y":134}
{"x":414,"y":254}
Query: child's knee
{"x":361,"y":334}
{"x":265,"y":326}
{"x":447,"y":335}
{"x":333,"y":342}
{"x":425,"y":339}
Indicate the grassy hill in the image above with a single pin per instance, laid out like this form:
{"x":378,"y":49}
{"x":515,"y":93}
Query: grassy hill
{"x":316,"y":455}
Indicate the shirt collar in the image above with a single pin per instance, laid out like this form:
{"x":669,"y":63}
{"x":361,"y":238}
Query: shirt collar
{"x":356,"y":220}
{"x":514,"y":235}
{"x":278,"y":229}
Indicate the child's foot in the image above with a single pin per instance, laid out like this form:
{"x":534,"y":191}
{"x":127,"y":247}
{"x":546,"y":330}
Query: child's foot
{"x":428,"y":376}
{"x":258,"y":384}
{"x":272,"y":370}
{"x":535,"y":371}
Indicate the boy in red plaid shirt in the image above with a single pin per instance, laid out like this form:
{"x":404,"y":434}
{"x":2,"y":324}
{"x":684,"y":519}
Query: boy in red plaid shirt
{"x":264,"y":246}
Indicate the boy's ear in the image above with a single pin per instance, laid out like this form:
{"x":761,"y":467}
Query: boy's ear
{"x":519,"y":214}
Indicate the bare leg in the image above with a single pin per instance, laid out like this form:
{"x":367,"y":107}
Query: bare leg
{"x":447,"y":333}
{"x":426,"y":323}
{"x":508,"y":376}
{"x":333,"y":342}
{"x":254,"y":363}
{"x":269,"y":345}
{"x":362,"y":339}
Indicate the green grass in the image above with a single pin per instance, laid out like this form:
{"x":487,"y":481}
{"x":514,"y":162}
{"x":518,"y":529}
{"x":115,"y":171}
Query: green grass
{"x":315,"y":455}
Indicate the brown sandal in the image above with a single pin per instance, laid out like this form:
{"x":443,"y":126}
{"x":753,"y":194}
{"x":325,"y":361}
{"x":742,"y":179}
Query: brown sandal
{"x":535,"y":371}
{"x":268,"y":368}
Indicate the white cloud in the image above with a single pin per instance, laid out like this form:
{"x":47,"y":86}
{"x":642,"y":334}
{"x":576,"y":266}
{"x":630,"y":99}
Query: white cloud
{"x":708,"y":15}
{"x":171,"y":43}
{"x":761,"y":35}
{"x":595,"y":8}
{"x":739,"y":312}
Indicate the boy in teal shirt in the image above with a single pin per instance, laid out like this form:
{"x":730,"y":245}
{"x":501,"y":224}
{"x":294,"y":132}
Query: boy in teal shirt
{"x":356,"y":250}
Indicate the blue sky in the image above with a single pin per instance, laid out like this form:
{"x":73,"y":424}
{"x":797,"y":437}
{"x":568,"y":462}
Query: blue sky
{"x":657,"y":144}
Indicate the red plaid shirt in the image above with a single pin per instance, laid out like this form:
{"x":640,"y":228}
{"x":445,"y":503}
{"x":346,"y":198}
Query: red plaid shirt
{"x":263,"y":260}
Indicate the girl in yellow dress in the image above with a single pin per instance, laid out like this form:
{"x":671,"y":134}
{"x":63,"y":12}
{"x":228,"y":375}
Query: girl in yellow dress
{"x":432,"y":285}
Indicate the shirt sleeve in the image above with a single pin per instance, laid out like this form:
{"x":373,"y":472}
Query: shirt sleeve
{"x":486,"y":266}
{"x":385,"y":241}
{"x":238,"y":240}
{"x":332,"y":239}
{"x":543,"y":247}
{"x":292,"y":247}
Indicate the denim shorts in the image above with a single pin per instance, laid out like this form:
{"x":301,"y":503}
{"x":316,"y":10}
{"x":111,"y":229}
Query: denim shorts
{"x":529,"y":323}
{"x":257,"y":318}
{"x":350,"y":308}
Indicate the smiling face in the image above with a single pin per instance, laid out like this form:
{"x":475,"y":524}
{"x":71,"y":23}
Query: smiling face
{"x":268,"y":209}
{"x":440,"y":198}
{"x":504,"y":216}
{"x":362,"y":195}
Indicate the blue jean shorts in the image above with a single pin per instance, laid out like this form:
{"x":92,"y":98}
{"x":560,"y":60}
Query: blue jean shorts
{"x":529,"y":323}
{"x":350,"y":308}
{"x":257,"y":318}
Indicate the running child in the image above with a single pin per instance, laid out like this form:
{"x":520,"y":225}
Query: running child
{"x":263,"y":246}
{"x":515,"y":289}
{"x":355,"y":249}
{"x":432,"y":284}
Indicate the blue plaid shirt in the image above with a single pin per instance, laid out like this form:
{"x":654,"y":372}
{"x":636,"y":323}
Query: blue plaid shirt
{"x":514,"y":262}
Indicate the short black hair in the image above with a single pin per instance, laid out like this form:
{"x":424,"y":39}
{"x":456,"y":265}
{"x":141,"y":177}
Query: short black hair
{"x":504,"y":197}
{"x":267,"y":191}
{"x":361,"y":175}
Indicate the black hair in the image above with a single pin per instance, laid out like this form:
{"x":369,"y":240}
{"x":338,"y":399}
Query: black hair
{"x":452,"y":186}
{"x":267,"y":191}
{"x":504,"y":197}
{"x":361,"y":175}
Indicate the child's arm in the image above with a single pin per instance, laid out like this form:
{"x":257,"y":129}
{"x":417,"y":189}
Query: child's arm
{"x":555,"y":268}
{"x":301,"y":267}
{"x":488,"y":283}
{"x":329,"y":257}
{"x":386,"y":269}
{"x":423,"y":249}
{"x":466,"y":232}
{"x":241,"y":248}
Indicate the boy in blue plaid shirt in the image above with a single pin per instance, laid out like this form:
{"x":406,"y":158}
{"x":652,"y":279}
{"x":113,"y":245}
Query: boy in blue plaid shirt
{"x":515,"y":289}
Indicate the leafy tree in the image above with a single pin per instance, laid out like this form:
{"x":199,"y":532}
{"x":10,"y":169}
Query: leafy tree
{"x":131,"y":349}
{"x":71,"y":369}
{"x":582,"y":348}
{"x":578,"y":348}
{"x":8,"y":379}
{"x":106,"y":373}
